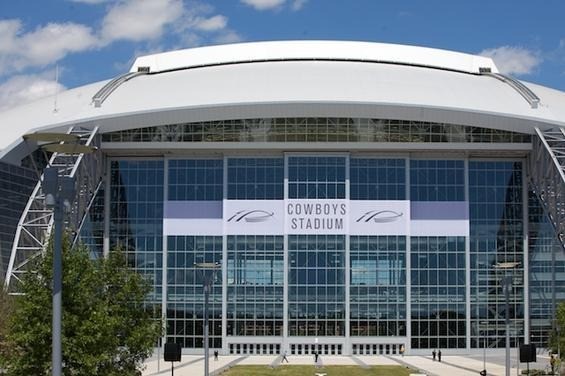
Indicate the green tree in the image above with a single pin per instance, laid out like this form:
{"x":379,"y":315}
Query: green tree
{"x":106,"y":330}
{"x":557,"y":340}
{"x":6,"y":308}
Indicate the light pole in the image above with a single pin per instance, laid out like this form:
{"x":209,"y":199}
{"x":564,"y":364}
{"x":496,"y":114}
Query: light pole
{"x":59,"y":194}
{"x":485,"y":343}
{"x":209,"y":271}
{"x":507,"y":284}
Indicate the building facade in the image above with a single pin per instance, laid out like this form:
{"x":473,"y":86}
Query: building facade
{"x":354,"y":221}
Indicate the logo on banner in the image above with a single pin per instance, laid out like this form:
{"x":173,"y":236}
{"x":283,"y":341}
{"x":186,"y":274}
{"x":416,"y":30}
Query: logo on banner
{"x":380,"y":216}
{"x":252,"y":216}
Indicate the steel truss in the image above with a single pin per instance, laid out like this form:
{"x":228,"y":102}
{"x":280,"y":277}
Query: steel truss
{"x":547,"y":175}
{"x":35,"y":225}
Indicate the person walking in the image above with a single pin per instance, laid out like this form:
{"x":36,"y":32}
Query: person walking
{"x":402,"y":350}
{"x":284,"y":357}
{"x":439,"y":355}
{"x":315,"y":357}
{"x":216,"y":355}
{"x":434,"y":354}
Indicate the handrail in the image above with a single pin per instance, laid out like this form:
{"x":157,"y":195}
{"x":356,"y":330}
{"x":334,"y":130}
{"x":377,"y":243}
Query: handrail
{"x":522,"y":89}
{"x":109,"y":88}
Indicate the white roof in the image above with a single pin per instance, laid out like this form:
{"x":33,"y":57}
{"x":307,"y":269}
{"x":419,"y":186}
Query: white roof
{"x":299,"y":88}
{"x":313,"y":50}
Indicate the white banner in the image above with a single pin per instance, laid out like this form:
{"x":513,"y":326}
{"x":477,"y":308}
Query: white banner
{"x":379,"y":217}
{"x":184,"y":226}
{"x":316,"y":216}
{"x":304,"y":216}
{"x":254,"y":217}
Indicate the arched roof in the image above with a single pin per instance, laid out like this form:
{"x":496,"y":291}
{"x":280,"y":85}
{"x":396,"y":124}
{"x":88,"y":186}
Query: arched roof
{"x":295,"y":79}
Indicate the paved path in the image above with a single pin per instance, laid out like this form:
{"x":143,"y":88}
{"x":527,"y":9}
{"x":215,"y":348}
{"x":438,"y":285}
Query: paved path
{"x":451,"y":365}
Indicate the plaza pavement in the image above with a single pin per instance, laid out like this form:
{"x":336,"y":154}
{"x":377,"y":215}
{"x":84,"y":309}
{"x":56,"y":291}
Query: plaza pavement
{"x":451,"y":365}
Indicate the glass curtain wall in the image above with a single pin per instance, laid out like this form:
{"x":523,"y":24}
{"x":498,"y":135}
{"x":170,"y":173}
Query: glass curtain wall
{"x":317,"y":263}
{"x":193,"y":180}
{"x":547,"y":273}
{"x":497,"y":233}
{"x":378,"y":286}
{"x":136,"y":219}
{"x":255,"y":285}
{"x":316,"y":285}
{"x":437,"y":262}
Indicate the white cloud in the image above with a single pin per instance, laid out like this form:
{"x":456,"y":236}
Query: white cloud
{"x":513,"y":60}
{"x":89,"y":1}
{"x":27,"y":88}
{"x":298,"y":4}
{"x":188,"y":22}
{"x":214,"y":23}
{"x":45,"y":45}
{"x":139,"y":20}
{"x":264,"y":4}
{"x":229,"y":36}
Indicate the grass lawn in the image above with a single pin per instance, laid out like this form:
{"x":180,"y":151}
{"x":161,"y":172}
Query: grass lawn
{"x":311,"y":371}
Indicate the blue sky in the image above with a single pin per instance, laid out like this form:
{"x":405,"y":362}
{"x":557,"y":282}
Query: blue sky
{"x":83,"y":41}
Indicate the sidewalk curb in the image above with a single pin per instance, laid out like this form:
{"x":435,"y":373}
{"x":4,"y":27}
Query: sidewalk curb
{"x":402,"y":362}
{"x":465,"y":368}
{"x":227,"y":366}
{"x":360,"y":362}
{"x":277,"y":362}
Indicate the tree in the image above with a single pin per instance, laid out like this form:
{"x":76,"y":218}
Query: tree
{"x":106,"y":329}
{"x":6,"y":308}
{"x":557,"y":340}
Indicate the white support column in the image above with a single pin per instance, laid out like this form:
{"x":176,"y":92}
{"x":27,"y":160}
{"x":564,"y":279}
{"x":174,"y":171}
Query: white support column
{"x":225,"y":348}
{"x":107,"y":207}
{"x":285,"y":346}
{"x":347,"y":345}
{"x":164,"y":279}
{"x":408,"y":346}
{"x":467,"y":266}
{"x":526,"y":247}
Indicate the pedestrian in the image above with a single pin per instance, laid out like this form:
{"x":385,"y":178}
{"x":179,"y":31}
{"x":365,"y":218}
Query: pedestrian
{"x":434,"y":354}
{"x":439,"y":356}
{"x":552,"y":363}
{"x":402,"y":350}
{"x":284,"y":357}
{"x":315,"y":357}
{"x":216,"y":355}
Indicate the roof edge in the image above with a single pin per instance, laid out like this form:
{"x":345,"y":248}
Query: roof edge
{"x":313,"y":50}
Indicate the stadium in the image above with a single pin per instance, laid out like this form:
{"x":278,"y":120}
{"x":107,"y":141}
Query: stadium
{"x":356,"y":197}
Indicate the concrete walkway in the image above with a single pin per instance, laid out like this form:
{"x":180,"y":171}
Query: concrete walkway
{"x":451,"y":365}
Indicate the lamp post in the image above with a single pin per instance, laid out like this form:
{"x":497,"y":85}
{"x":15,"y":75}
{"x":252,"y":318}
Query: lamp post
{"x":485,"y":343}
{"x":507,"y":284}
{"x":209,"y":271}
{"x":59,"y":194}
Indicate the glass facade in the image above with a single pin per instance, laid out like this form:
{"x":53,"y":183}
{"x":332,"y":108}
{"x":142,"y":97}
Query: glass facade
{"x":255,"y":285}
{"x":438,"y":292}
{"x":136,"y":218}
{"x":377,"y":179}
{"x":547,"y":273}
{"x":497,"y":235}
{"x":316,"y":130}
{"x":92,"y":231}
{"x":16,"y":185}
{"x":185,"y":290}
{"x":316,"y":285}
{"x":437,"y":180}
{"x":354,"y":290}
{"x":316,"y":177}
{"x":255,"y":178}
{"x":378,"y":286}
{"x":196,"y":180}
